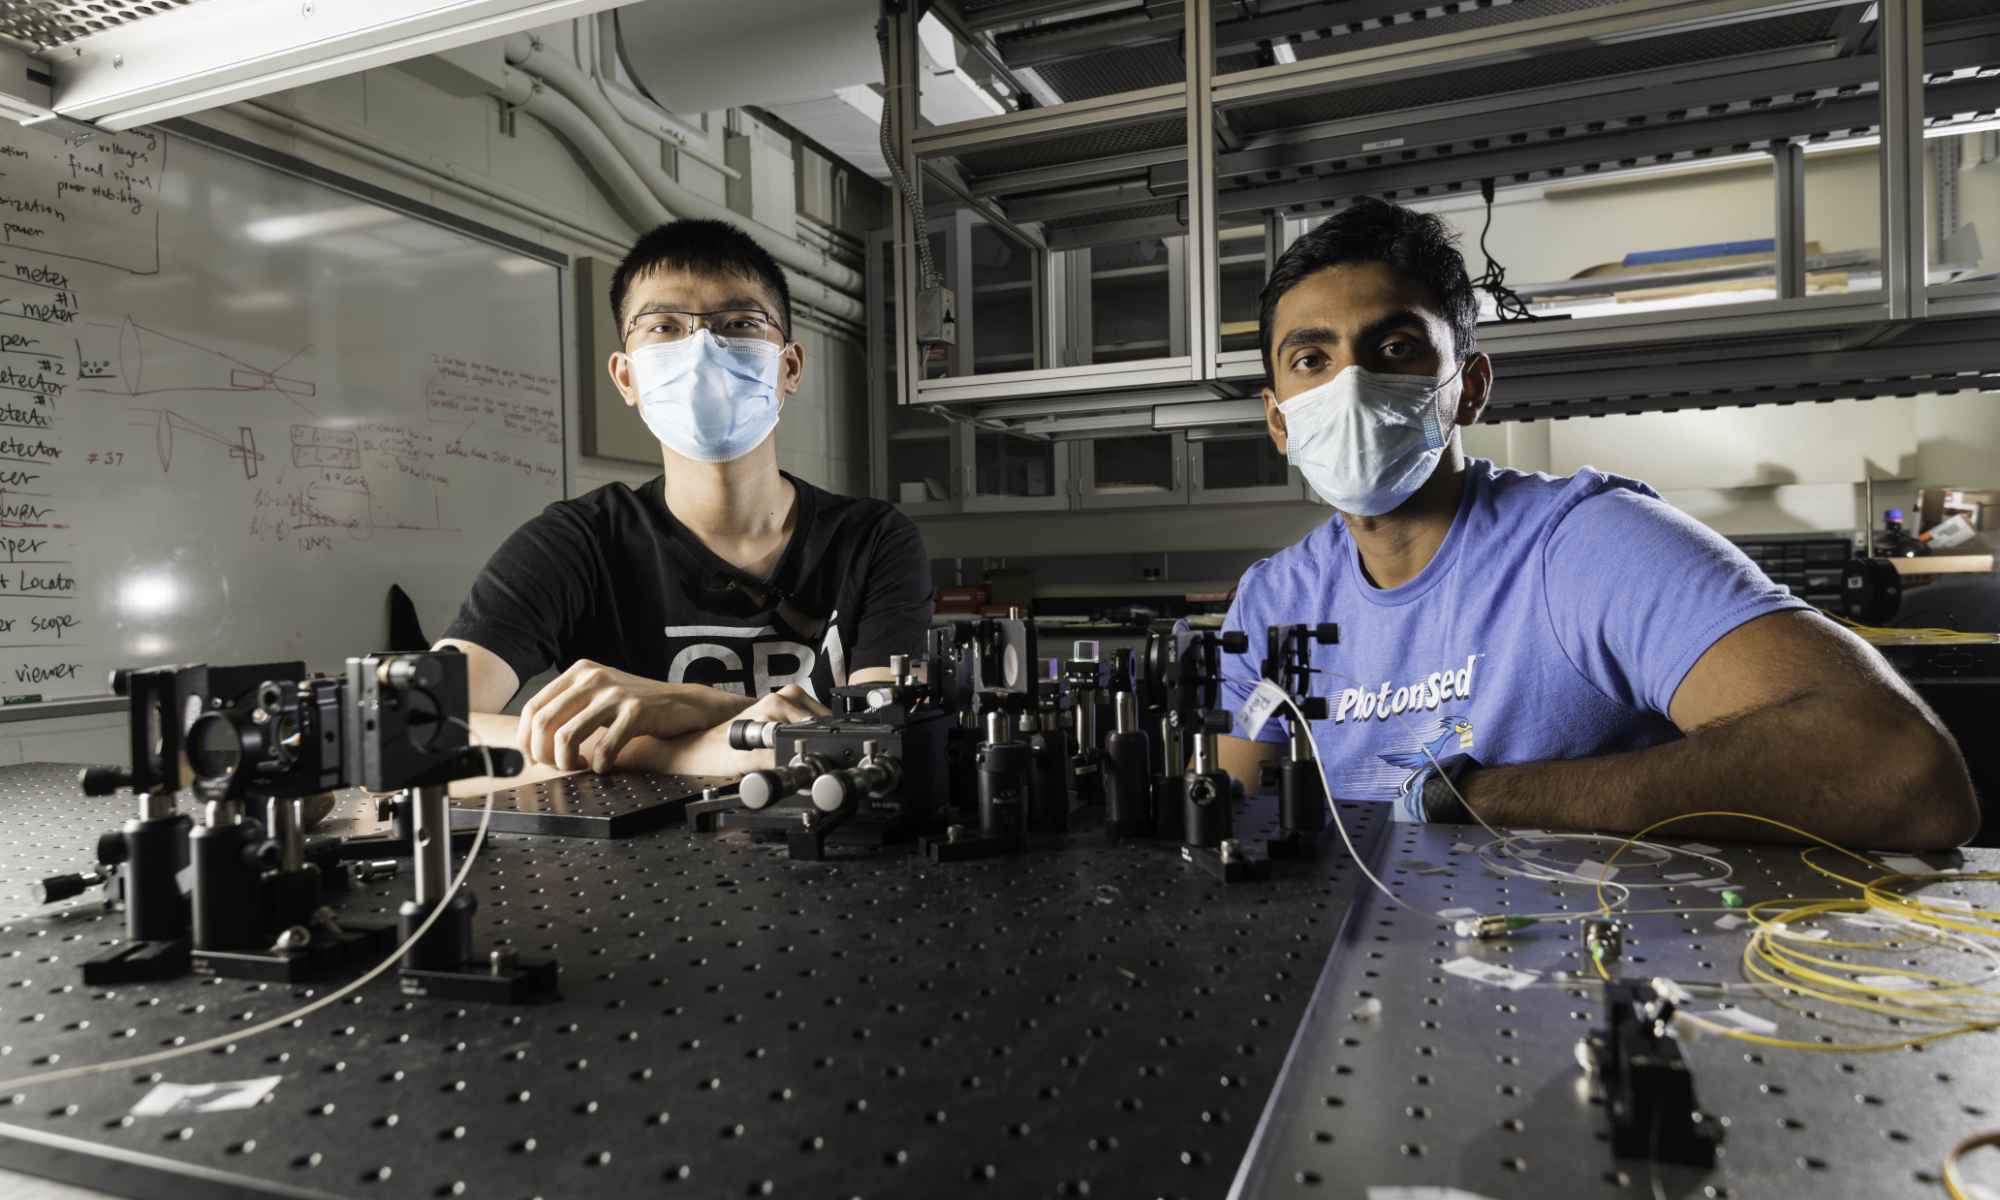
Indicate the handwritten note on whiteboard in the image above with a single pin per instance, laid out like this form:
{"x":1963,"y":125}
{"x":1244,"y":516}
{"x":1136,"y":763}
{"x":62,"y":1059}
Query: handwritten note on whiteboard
{"x":235,"y":406}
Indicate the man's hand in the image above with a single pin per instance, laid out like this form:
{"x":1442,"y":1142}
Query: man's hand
{"x":587,"y":714}
{"x":708,"y":752}
{"x":787,"y":704}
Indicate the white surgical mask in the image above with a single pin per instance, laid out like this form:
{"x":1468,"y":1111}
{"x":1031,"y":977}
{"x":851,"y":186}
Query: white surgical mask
{"x":712,"y":399}
{"x":1367,"y":440}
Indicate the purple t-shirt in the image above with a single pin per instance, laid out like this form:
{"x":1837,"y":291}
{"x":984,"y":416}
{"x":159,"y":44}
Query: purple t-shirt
{"x":1556,"y":622}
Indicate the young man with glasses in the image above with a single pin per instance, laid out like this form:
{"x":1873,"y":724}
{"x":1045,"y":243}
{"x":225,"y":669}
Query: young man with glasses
{"x":721,"y":589}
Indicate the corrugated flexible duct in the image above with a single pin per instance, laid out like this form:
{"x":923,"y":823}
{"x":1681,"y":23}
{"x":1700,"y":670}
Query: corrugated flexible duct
{"x":572,"y":106}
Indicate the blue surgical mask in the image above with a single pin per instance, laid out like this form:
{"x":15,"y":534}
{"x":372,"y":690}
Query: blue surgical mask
{"x":709,"y":398}
{"x":1367,"y":440}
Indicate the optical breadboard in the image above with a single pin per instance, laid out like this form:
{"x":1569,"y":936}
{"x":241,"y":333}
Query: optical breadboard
{"x":605,"y":806}
{"x":237,"y":404}
{"x":1080,"y":1019}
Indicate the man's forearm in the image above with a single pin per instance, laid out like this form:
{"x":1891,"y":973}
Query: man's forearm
{"x":1824,"y":764}
{"x":703,"y":752}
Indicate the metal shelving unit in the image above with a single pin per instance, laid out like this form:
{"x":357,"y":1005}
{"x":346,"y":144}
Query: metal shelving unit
{"x":1179,"y":121}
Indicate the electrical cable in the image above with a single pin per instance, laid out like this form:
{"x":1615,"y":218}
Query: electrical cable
{"x":912,"y":197}
{"x":1954,"y":1183}
{"x":1767,"y":960}
{"x":1508,"y":304}
{"x":304,"y":1010}
{"x":1326,"y":790}
{"x":1916,"y":635}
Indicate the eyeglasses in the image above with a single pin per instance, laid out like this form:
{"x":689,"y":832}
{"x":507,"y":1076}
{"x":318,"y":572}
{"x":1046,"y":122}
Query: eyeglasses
{"x":664,"y":326}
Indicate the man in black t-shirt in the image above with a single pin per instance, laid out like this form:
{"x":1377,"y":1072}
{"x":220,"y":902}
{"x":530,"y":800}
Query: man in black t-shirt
{"x":720,"y":589}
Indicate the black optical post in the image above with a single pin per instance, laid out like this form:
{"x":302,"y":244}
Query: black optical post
{"x":1301,"y":793}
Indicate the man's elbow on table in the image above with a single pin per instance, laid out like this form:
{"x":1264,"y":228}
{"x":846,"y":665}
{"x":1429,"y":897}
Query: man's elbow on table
{"x":1924,"y":785}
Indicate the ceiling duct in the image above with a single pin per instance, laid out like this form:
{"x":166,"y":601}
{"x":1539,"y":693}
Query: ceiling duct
{"x":819,"y":69}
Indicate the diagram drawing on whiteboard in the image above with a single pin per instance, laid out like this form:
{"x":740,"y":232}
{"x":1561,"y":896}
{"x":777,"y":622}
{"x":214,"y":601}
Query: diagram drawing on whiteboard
{"x":165,"y":423}
{"x":142,"y":361}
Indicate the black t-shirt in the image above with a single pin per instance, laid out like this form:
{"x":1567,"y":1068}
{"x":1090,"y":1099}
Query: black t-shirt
{"x":613,"y":577}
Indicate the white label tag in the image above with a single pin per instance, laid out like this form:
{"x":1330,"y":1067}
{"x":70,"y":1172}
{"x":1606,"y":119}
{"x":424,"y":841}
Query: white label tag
{"x":1905,"y":864}
{"x":1453,"y":914}
{"x":1425,"y":1192}
{"x":1736,"y":1018}
{"x":1684,"y":876}
{"x":1946,"y":902}
{"x":1669,"y":990}
{"x":1730,"y":922}
{"x":1463,"y":847}
{"x":1700,"y":848}
{"x":1492,"y":974}
{"x":186,"y":1099}
{"x":1264,"y":700}
{"x":1891,"y":983}
{"x":1590,"y":868}
{"x":1799,"y":935}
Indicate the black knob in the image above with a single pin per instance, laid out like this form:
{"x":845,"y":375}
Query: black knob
{"x":102,"y":781}
{"x":1326,"y":634}
{"x":263,"y":855}
{"x":1216,"y":721}
{"x":57,"y":887}
{"x":111,"y":847}
{"x":119,"y":681}
{"x":1235,"y":641}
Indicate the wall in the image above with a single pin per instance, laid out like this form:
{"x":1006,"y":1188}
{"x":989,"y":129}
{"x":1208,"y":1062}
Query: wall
{"x":434,"y":118}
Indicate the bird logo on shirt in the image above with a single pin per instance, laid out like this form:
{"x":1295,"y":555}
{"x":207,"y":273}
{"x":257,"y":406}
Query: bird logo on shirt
{"x":1418,"y":761}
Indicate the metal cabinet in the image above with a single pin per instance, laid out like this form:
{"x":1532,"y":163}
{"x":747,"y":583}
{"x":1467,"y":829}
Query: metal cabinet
{"x":1242,"y":469}
{"x":1006,"y":472}
{"x":913,"y":452}
{"x":1141,"y":470}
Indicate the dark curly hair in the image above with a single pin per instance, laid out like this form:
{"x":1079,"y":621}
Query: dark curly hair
{"x":1417,"y":246}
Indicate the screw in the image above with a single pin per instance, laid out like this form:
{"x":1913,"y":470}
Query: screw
{"x":306,"y":9}
{"x":1228,"y":849}
{"x":710,"y":794}
{"x":295,"y":938}
{"x":117,"y":60}
{"x":954,"y":833}
{"x":502,"y":961}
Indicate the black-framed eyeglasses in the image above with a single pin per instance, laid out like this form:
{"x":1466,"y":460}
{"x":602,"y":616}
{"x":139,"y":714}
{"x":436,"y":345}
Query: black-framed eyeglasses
{"x":662,"y":326}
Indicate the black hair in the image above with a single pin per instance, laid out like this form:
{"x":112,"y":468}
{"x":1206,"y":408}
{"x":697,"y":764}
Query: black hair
{"x":1417,"y":246}
{"x":701,"y":248}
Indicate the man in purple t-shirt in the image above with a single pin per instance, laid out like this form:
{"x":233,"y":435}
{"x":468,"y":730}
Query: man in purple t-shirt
{"x":1572,"y":652}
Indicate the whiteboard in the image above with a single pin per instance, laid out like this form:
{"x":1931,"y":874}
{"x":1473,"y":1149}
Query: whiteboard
{"x":236,"y":405}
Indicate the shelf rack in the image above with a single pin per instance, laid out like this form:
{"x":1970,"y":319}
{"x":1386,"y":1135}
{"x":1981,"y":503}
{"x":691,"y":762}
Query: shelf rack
{"x":1179,"y":118}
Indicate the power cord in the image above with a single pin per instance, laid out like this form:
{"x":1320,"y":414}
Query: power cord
{"x":912,"y":196}
{"x":1507,"y":303}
